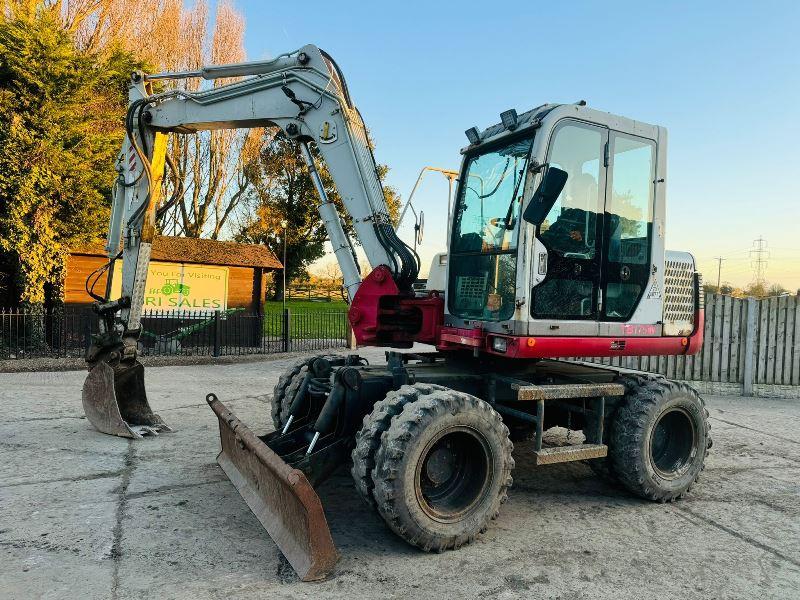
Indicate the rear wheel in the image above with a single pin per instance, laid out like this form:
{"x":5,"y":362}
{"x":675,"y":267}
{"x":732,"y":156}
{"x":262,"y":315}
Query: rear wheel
{"x":442,"y":470}
{"x":659,"y":439}
{"x":604,"y":467}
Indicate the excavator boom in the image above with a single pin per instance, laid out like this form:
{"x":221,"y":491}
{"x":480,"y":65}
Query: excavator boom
{"x":304,"y":94}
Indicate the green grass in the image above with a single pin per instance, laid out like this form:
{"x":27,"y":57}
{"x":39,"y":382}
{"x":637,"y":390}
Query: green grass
{"x":309,"y":319}
{"x":306,"y":306}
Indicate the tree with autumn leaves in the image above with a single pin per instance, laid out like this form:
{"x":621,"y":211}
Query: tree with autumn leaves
{"x":282,"y":191}
{"x":64,"y":69}
{"x":59,"y":134}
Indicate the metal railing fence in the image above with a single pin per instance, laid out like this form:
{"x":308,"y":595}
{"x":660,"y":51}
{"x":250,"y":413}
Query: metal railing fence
{"x":68,"y":333}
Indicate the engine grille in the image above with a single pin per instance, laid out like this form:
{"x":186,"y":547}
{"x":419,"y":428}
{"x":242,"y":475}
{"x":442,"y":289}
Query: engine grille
{"x":679,"y":300}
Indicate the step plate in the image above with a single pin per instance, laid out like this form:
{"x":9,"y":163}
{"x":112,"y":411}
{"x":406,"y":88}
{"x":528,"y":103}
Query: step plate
{"x":566,"y":391}
{"x":559,"y":454}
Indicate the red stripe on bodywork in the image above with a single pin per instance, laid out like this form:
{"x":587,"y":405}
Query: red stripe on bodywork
{"x":382,"y":316}
{"x":451,"y":338}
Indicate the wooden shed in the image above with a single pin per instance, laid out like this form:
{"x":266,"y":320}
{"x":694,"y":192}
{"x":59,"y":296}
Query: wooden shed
{"x":185,"y":274}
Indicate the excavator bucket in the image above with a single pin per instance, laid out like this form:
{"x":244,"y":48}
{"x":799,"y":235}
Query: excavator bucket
{"x":115,"y":401}
{"x":280,"y":496}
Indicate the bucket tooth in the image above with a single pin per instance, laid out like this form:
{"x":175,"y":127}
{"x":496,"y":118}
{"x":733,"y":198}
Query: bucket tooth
{"x":115,"y":401}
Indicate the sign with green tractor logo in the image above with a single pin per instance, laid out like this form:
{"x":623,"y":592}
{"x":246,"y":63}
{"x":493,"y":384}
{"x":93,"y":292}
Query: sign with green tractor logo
{"x":174,"y":286}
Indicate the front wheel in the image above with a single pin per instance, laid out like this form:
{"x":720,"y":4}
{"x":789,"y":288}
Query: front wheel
{"x":659,"y":439}
{"x":442,"y":470}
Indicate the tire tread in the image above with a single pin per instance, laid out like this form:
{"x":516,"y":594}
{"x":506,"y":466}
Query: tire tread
{"x":626,"y":447}
{"x":394,"y":442}
{"x":368,"y":438}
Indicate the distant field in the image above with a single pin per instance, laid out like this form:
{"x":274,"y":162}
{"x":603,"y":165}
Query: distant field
{"x":309,"y":319}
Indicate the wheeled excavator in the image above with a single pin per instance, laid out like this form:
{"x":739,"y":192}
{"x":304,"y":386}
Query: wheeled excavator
{"x":555,"y":253}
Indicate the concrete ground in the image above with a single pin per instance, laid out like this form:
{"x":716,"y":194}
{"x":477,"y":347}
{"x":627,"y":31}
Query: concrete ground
{"x":84,"y":515}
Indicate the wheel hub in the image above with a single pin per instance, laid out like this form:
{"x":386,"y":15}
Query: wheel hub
{"x":440,"y":465}
{"x":453,"y":473}
{"x":673,"y":443}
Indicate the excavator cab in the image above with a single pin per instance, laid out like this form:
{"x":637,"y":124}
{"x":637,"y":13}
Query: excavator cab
{"x":558,"y":230}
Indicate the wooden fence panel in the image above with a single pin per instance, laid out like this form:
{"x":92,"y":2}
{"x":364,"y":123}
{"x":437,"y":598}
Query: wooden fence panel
{"x":735,"y":330}
{"x":788,"y":341}
{"x":680,"y":367}
{"x":771,"y":339}
{"x":796,"y":344}
{"x":761,"y":352}
{"x":708,"y":342}
{"x":716,"y":338}
{"x":742,"y":333}
{"x":780,"y":338}
{"x":786,"y":345}
{"x":724,"y":363}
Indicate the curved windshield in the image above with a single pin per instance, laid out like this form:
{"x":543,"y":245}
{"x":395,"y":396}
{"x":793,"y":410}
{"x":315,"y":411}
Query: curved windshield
{"x":483,"y":260}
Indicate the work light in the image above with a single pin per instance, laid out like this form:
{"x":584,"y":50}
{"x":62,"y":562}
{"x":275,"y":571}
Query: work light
{"x":499,"y":344}
{"x":473,"y":135}
{"x":509,"y":119}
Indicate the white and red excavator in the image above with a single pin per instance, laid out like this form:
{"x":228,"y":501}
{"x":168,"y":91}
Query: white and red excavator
{"x":556,"y":250}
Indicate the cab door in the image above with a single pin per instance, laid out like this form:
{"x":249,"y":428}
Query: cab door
{"x":566,"y":301}
{"x":627,"y":227}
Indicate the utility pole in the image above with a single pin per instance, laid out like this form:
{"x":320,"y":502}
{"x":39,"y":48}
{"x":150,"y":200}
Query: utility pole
{"x":719,"y":260}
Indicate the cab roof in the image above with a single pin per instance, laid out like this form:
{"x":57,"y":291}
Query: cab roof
{"x":558,"y":111}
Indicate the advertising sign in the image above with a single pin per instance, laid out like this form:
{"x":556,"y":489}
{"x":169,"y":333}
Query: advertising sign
{"x":174,"y":286}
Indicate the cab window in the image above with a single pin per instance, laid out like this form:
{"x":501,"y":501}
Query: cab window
{"x":628,"y":224}
{"x":569,"y":228}
{"x":569,"y":232}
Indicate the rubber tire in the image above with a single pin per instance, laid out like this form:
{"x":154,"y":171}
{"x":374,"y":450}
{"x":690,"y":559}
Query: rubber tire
{"x":395,"y":462}
{"x":287,"y":386}
{"x":630,"y":439}
{"x":368,"y":438}
{"x":603,"y":467}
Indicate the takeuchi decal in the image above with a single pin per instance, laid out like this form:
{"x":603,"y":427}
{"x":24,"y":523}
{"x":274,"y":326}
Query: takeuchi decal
{"x":631,"y":329}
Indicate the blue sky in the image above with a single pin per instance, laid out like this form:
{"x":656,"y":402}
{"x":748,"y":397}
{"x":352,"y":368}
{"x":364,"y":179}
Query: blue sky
{"x":723,"y":77}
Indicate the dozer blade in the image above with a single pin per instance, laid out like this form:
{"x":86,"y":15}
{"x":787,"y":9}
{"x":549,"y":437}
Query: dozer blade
{"x":115,"y":402}
{"x":281,"y":497}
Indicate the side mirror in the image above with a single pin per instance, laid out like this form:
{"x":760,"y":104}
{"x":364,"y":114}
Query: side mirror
{"x":545,"y":196}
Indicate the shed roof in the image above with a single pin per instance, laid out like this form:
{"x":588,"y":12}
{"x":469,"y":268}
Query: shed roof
{"x":200,"y":251}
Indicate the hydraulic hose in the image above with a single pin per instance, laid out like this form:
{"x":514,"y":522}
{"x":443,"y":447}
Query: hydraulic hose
{"x":406,"y":264}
